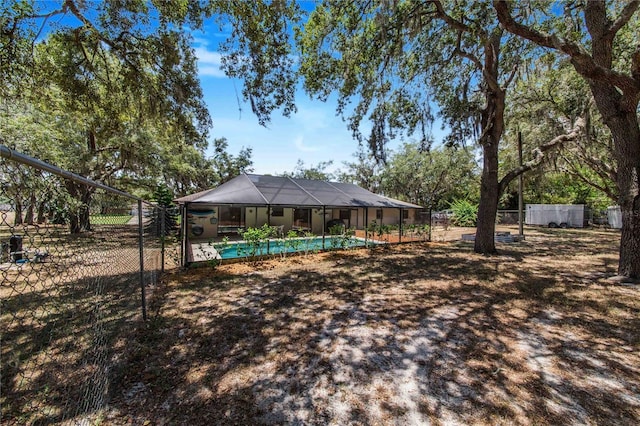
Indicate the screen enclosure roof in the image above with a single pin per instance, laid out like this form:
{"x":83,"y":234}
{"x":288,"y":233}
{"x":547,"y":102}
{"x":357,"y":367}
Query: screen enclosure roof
{"x":262,"y":190}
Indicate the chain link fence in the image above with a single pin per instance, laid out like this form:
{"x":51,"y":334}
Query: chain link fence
{"x":508,"y":217}
{"x":78,"y":264}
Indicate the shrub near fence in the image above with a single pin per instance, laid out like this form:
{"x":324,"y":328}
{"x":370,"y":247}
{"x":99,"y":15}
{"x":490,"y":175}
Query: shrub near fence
{"x":67,"y":299}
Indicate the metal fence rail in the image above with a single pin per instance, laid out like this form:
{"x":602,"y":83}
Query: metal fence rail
{"x":78,"y":262}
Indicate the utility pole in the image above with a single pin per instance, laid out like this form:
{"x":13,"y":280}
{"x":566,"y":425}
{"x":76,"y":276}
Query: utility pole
{"x":520,"y":186}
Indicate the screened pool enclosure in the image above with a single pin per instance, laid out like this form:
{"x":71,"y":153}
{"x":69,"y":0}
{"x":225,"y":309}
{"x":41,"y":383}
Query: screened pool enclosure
{"x":303,"y":205}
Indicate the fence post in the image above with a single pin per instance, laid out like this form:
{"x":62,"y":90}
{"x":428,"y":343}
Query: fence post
{"x":141,"y":243}
{"x":183,"y":238}
{"x":430,"y":221}
{"x":324,"y":224}
{"x":163,"y":212}
{"x":520,"y":188}
{"x":366,"y":225}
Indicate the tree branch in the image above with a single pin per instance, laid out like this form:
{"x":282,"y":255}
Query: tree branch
{"x":606,"y":172}
{"x":602,"y":169}
{"x":511,"y":76}
{"x":462,"y":27}
{"x":453,"y":23}
{"x":493,"y":84}
{"x":626,"y":14}
{"x":539,"y":152}
{"x":635,"y":63}
{"x":63,"y":10}
{"x":76,"y":12}
{"x":469,"y":56}
{"x":580,"y":58}
{"x":550,"y":41}
{"x":44,"y":23}
{"x":574,"y":171}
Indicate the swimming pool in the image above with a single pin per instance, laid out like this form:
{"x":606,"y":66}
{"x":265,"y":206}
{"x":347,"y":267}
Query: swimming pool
{"x":240,"y":249}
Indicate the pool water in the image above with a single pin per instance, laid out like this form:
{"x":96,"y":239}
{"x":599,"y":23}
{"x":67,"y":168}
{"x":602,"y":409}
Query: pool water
{"x":242,"y":249}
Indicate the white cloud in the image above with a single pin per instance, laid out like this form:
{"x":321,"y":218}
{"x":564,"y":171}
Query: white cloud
{"x":208,"y":56}
{"x":299,"y":143}
{"x":211,"y":71}
{"x":209,"y":62}
{"x":311,"y":118}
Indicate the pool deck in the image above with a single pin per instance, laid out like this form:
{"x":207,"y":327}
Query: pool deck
{"x":202,"y":251}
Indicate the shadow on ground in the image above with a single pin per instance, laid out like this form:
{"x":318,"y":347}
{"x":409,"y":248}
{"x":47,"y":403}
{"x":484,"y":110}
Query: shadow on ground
{"x":408,"y":335}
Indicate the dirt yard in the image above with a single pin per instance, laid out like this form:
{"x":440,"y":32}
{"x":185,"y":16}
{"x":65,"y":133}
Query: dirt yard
{"x":407,"y":335}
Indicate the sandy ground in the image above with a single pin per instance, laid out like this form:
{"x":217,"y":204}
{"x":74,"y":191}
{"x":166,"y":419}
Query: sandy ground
{"x":415,"y":334}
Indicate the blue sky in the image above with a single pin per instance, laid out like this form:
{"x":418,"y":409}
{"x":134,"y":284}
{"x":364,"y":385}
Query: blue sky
{"x":313,"y":134}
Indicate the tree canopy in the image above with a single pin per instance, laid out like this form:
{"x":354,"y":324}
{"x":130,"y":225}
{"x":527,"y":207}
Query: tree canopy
{"x":143,"y":45}
{"x":110,"y":91}
{"x":433,"y":178}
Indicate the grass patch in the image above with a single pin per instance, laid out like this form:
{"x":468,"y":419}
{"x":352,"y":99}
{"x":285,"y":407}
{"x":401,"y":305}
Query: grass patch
{"x":110,"y":219}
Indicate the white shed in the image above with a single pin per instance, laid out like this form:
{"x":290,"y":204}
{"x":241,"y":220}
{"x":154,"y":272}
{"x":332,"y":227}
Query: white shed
{"x":614,"y":217}
{"x":555,"y":215}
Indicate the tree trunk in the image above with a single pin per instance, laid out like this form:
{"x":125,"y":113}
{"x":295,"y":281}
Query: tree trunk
{"x":626,"y":135}
{"x":620,"y":117}
{"x":85,"y":223}
{"x":629,"y":263}
{"x":83,"y":214}
{"x":619,"y":109}
{"x":30,"y":215}
{"x":17,"y":220}
{"x":74,"y":224}
{"x":41,"y":212}
{"x":488,"y":208}
{"x":492,"y":126}
{"x":79,"y":218}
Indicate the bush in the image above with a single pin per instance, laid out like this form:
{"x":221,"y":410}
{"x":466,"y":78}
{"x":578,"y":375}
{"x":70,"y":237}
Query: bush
{"x":465,"y":213}
{"x":342,"y":237}
{"x":423,"y":232}
{"x":256,"y":241}
{"x":290,"y":241}
{"x":380,"y":231}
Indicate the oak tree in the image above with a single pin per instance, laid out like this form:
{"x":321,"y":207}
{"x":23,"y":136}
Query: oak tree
{"x":600,"y":38}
